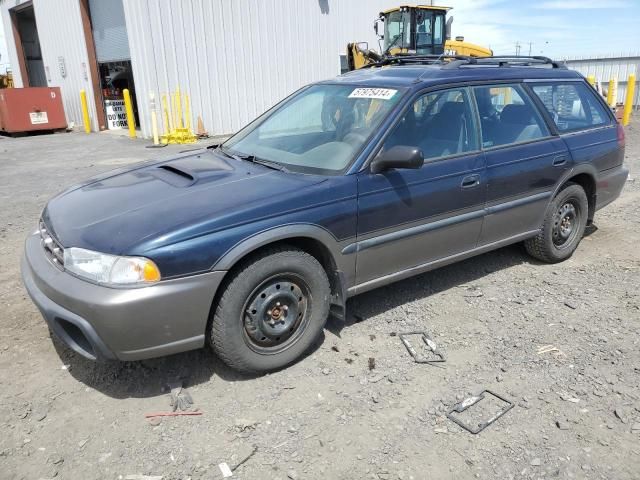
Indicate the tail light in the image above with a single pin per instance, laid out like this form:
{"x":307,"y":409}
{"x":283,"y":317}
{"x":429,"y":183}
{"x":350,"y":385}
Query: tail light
{"x":621,"y":140}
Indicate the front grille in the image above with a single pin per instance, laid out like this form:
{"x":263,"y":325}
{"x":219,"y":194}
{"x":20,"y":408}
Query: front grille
{"x":52,"y":247}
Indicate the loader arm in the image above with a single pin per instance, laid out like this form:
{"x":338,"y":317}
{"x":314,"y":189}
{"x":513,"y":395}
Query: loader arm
{"x":359,"y":55}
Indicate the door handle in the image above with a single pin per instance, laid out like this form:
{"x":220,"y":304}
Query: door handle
{"x":470,"y":181}
{"x":559,"y":160}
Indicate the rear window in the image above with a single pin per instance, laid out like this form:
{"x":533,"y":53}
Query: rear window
{"x":573,"y":106}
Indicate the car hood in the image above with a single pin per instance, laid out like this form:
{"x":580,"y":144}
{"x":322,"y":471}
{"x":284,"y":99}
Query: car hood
{"x":192,"y":194}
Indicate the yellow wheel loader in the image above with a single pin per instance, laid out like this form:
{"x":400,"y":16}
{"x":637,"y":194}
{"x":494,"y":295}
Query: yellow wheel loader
{"x":413,"y":30}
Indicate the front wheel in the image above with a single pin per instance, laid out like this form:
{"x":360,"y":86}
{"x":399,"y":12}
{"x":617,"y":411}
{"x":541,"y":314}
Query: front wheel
{"x":272,"y":310}
{"x":563,"y":227}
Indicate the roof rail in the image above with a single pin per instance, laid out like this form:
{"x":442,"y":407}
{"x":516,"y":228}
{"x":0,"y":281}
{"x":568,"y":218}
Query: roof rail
{"x":505,"y":61}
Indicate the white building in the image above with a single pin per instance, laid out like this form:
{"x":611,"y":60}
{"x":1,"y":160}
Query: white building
{"x":234,"y":58}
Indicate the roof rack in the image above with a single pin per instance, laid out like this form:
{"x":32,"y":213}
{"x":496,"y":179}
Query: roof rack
{"x":456,"y":61}
{"x":505,"y":61}
{"x":402,"y":59}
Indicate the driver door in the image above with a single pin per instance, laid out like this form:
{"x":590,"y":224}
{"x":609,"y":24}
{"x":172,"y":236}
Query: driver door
{"x":408,"y":219}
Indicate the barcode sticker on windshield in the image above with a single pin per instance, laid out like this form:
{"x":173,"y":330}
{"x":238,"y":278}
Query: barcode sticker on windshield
{"x":381,"y":93}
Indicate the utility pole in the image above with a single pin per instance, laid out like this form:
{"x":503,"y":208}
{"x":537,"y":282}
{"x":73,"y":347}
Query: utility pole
{"x":530,"y":43}
{"x":518,"y":49}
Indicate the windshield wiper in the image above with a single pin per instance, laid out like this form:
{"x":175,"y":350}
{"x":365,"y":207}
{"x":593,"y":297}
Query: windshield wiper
{"x":261,"y":161}
{"x":254,"y":159}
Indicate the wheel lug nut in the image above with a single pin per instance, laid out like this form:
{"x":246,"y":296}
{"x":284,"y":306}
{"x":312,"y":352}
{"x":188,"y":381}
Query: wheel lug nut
{"x":285,"y":308}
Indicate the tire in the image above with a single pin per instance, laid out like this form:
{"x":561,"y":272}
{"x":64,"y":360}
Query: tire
{"x":272,"y":310}
{"x":563,"y":227}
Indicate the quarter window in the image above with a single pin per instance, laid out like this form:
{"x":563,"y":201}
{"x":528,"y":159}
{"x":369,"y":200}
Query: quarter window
{"x":439,"y":123}
{"x":572,"y":106}
{"x":508,"y":115}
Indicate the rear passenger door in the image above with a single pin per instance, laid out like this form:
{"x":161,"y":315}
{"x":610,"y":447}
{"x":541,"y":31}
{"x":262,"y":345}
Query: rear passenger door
{"x":524,"y":161}
{"x":584,"y":122}
{"x":408,"y":218}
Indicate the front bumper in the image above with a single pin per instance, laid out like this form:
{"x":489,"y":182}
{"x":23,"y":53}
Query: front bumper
{"x":103,"y":323}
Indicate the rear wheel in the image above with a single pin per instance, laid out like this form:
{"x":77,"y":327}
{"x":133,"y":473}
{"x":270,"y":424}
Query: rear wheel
{"x":271,"y":311}
{"x":563,"y":226}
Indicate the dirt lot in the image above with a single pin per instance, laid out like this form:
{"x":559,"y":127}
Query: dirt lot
{"x":576,"y":414}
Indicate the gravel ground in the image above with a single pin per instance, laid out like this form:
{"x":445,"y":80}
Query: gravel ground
{"x":338,"y":414}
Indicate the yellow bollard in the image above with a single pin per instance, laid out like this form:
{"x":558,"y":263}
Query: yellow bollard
{"x":174,"y":109}
{"x":612,"y":92}
{"x":592,"y":80}
{"x":187,"y":113}
{"x":628,"y":104}
{"x":178,"y":108}
{"x":85,"y":111}
{"x":131,"y":121}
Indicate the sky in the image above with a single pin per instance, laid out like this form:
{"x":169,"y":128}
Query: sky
{"x":555,"y":28}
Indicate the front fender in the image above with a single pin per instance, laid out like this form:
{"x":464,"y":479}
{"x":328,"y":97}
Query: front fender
{"x":341,"y":278}
{"x":282,"y":233}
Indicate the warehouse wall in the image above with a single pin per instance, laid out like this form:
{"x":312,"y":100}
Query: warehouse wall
{"x":611,"y":66}
{"x":60,"y":31}
{"x":236,"y":58}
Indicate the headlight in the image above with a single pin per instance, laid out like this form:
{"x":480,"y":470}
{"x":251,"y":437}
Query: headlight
{"x":110,"y":269}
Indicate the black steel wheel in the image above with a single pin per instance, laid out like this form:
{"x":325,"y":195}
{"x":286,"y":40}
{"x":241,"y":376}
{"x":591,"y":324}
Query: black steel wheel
{"x":273,"y":308}
{"x":563,"y":227}
{"x":565,"y":224}
{"x":276,"y":312}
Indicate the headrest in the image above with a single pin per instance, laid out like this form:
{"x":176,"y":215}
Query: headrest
{"x":519,"y":114}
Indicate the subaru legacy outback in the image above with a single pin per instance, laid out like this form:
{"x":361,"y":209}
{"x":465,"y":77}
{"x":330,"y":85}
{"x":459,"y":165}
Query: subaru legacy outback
{"x":345,"y":186}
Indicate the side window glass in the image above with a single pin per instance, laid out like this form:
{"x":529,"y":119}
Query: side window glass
{"x":439,"y":123}
{"x":437,"y":29}
{"x":571,"y":105}
{"x":508,"y":115}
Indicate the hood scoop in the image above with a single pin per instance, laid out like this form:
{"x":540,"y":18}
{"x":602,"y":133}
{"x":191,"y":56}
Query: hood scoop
{"x":186,"y":171}
{"x":185,"y":178}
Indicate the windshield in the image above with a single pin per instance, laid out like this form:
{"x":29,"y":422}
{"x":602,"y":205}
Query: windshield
{"x":319,"y":130}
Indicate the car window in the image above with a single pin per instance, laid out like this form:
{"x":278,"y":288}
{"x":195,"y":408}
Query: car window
{"x":318,"y":130}
{"x":508,"y":115}
{"x":304,"y":115}
{"x":439,"y":123}
{"x":572,"y":106}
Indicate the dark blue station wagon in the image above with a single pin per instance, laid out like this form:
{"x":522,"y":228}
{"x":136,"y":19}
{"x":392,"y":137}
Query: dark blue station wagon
{"x":345,"y":186}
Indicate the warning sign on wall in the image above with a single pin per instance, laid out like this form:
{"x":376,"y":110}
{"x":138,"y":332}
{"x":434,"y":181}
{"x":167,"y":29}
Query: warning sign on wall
{"x":116,"y":116}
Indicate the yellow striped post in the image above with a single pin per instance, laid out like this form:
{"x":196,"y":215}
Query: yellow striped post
{"x":131,"y":121}
{"x":628,"y":104}
{"x":592,"y":80}
{"x":85,"y":111}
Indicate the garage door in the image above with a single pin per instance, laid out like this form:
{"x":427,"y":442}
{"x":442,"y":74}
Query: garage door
{"x":109,"y":30}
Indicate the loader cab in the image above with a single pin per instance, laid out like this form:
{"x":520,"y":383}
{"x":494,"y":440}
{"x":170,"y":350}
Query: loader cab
{"x":413,"y":30}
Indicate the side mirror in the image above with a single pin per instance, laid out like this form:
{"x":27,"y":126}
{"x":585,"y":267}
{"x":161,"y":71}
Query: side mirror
{"x":400,"y":156}
{"x":376,"y":27}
